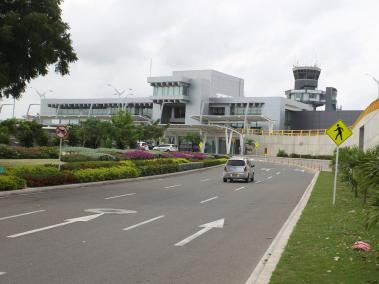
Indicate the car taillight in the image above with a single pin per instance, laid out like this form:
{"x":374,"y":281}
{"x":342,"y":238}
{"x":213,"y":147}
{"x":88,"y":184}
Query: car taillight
{"x":225,"y":169}
{"x":245,"y":169}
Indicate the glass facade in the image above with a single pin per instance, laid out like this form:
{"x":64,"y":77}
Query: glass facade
{"x":170,"y":91}
{"x":240,"y":109}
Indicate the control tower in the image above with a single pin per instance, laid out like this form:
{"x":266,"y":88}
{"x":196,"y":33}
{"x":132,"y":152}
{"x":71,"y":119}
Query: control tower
{"x":305,"y":90}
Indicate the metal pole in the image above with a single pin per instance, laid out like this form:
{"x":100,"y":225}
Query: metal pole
{"x":60,"y":154}
{"x":14,"y":106}
{"x":335,"y":177}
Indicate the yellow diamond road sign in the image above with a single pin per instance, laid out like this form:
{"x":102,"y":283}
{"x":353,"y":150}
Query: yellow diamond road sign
{"x":339,"y":132}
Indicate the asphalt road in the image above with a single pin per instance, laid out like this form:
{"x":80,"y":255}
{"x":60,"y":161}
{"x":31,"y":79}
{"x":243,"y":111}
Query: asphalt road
{"x":155,"y":236}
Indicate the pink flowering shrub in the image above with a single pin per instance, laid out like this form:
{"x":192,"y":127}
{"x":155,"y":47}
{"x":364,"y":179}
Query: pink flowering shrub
{"x":138,"y":154}
{"x":186,"y":155}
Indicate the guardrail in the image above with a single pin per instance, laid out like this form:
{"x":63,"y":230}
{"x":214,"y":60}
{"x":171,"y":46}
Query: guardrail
{"x":311,"y":164}
{"x":307,"y":132}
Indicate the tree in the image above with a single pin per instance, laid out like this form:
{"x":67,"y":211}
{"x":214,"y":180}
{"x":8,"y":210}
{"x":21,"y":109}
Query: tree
{"x":124,"y":131}
{"x":152,"y":131}
{"x":32,"y":36}
{"x":194,"y":139}
{"x":95,"y":132}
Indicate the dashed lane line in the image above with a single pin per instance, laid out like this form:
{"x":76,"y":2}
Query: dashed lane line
{"x":278,"y":173}
{"x":258,"y":181}
{"x":206,"y":179}
{"x":171,"y":186}
{"x":117,"y":196}
{"x":237,"y":189}
{"x":209,"y":199}
{"x":2,"y":273}
{"x":19,"y":215}
{"x":270,"y":177}
{"x":143,"y":223}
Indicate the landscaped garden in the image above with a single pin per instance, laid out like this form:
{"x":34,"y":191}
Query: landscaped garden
{"x":338,"y":244}
{"x":89,"y":165}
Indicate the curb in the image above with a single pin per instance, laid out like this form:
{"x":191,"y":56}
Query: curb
{"x":267,"y":264}
{"x":87,"y":184}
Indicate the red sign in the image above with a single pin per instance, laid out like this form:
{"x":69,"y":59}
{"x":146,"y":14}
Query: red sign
{"x":61,"y":131}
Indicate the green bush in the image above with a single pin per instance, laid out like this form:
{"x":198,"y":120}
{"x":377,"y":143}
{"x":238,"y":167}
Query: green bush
{"x":88,"y":165}
{"x":281,"y":153}
{"x":101,"y":174}
{"x":11,"y":183}
{"x":42,"y":175}
{"x":158,"y":169}
{"x":88,"y":157}
{"x":160,"y":161}
{"x":8,"y":152}
{"x":209,"y":162}
{"x":190,"y":166}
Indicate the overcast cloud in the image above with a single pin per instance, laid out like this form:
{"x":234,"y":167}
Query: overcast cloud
{"x":258,"y":41}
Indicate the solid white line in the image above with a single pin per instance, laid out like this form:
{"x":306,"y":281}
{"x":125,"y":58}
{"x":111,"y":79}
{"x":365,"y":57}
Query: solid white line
{"x":117,"y":196}
{"x":205,"y":179}
{"x":278,"y":173}
{"x":237,"y":189}
{"x":39,"y":230}
{"x":2,"y":273}
{"x":144,"y":222}
{"x":270,"y":177}
{"x":171,"y":186}
{"x":212,"y":198}
{"x":23,"y":214}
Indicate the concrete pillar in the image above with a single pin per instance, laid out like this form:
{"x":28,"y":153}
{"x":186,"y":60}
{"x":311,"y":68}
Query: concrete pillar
{"x":217,"y":139}
{"x":204,"y":142}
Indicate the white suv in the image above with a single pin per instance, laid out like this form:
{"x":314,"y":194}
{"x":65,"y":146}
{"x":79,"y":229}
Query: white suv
{"x":166,"y":148}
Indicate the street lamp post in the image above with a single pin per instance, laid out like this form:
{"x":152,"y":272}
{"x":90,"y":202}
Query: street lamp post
{"x":119,"y":93}
{"x":375,"y":80}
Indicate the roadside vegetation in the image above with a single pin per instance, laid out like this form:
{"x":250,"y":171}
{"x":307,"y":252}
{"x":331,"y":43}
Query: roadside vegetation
{"x":320,"y":248}
{"x":282,"y":153}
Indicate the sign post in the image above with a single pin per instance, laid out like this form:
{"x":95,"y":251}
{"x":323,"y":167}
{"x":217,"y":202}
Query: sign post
{"x":61,"y":132}
{"x":338,"y":132}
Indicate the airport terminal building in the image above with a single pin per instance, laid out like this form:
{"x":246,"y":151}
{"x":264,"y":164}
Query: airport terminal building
{"x":213,"y":104}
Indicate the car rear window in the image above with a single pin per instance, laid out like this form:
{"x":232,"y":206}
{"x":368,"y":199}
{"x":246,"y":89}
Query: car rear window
{"x":236,"y":163}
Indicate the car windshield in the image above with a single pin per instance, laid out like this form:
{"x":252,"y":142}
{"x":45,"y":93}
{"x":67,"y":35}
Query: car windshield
{"x":164,"y":145}
{"x":236,"y":163}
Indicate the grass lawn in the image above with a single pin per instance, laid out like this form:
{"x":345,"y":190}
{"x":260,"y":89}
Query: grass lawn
{"x":8,"y":163}
{"x":319,"y":249}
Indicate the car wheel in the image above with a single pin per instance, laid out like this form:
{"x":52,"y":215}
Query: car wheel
{"x":252,"y":178}
{"x":225,"y":179}
{"x":248,"y":179}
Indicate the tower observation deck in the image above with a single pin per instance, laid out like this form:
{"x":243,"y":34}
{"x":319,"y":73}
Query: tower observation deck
{"x":305,"y":89}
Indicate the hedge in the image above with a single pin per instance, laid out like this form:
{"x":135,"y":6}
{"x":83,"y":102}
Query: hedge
{"x":9,"y":152}
{"x":88,"y":165}
{"x":11,"y":183}
{"x":209,"y":163}
{"x":158,"y":169}
{"x":42,"y":175}
{"x":88,"y":157}
{"x":101,"y":174}
{"x":190,"y":166}
{"x":160,"y":161}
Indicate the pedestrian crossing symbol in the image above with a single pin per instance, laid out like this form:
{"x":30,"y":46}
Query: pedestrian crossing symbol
{"x":339,"y":132}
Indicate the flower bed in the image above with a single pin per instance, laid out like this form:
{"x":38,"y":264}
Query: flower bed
{"x":186,"y":155}
{"x":9,"y":152}
{"x":138,"y":154}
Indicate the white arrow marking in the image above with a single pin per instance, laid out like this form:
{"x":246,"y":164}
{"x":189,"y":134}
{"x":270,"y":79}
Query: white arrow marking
{"x":68,"y":221}
{"x":23,"y":214}
{"x":212,"y":198}
{"x":171,"y":186}
{"x":143,"y":223}
{"x":206,"y":227}
{"x":237,"y":189}
{"x":117,"y":196}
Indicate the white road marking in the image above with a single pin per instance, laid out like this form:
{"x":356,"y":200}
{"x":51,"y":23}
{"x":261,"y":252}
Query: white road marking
{"x":298,"y":170}
{"x":171,"y":186}
{"x":99,"y":212}
{"x":206,"y":179}
{"x":237,"y":189}
{"x":258,"y":181}
{"x":23,"y":214}
{"x":278,"y":173}
{"x":144,"y":222}
{"x":270,"y":177}
{"x":206,"y":227}
{"x":2,"y":273}
{"x":212,"y":198}
{"x":117,"y":196}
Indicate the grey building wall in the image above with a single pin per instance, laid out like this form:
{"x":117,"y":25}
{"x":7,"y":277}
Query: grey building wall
{"x":321,"y":119}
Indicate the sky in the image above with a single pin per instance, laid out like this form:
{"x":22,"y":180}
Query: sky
{"x":259,"y":41}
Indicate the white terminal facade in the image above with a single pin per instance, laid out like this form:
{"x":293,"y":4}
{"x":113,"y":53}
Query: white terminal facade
{"x":202,"y":101}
